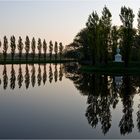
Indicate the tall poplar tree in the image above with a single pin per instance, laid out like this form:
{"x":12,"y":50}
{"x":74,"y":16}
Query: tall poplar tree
{"x":27,"y":47}
{"x":39,"y":46}
{"x":127,"y":18}
{"x":114,"y":40}
{"x":5,"y":47}
{"x":60,"y":50}
{"x":50,"y":49}
{"x":92,"y":37}
{"x":45,"y":48}
{"x":20,"y":47}
{"x":56,"y":49}
{"x":33,"y":46}
{"x":13,"y":46}
{"x":106,"y":29}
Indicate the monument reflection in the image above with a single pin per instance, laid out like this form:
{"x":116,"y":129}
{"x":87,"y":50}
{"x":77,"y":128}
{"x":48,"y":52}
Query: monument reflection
{"x":103,"y":94}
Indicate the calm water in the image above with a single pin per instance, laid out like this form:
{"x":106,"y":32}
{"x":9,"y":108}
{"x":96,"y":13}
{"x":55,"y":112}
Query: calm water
{"x":57,"y":101}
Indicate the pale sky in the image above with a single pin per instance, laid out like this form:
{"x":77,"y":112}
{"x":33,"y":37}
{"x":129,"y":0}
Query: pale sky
{"x":56,"y":20}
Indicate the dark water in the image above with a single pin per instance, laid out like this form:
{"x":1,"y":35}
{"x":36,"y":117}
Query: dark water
{"x":58,"y":101}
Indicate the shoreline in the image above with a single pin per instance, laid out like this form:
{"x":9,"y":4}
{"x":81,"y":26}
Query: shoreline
{"x":113,"y":68}
{"x":35,"y":61}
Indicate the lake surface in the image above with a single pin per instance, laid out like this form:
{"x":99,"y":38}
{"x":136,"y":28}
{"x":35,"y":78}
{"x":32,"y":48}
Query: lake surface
{"x":57,"y":101}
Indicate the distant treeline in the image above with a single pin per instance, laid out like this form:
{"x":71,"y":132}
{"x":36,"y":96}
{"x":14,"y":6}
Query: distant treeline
{"x":97,"y":42}
{"x":30,"y":48}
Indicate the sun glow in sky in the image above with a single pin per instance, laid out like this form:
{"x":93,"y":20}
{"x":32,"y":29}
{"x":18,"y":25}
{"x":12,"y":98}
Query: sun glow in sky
{"x":55,"y":20}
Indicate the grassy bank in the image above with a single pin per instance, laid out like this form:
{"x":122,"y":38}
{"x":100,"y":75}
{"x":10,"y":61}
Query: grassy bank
{"x":113,"y":68}
{"x":36,"y":60}
{"x":23,"y":61}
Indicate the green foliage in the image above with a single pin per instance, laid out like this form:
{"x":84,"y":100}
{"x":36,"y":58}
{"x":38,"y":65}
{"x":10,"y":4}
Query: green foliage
{"x":13,"y":46}
{"x":127,"y":18}
{"x":97,"y":43}
{"x":44,"y":48}
{"x":5,"y":47}
{"x":60,"y":49}
{"x":94,"y":41}
{"x":114,"y":40}
{"x":56,"y":49}
{"x":92,"y":35}
{"x":5,"y":57}
{"x":20,"y":47}
{"x":0,"y":44}
{"x":82,"y":39}
{"x":138,"y":20}
{"x":39,"y":46}
{"x":50,"y":49}
{"x":27,"y":46}
{"x":33,"y":46}
{"x":106,"y":28}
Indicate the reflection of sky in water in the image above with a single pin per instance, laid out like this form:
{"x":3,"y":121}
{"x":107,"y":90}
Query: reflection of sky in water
{"x":55,"y":110}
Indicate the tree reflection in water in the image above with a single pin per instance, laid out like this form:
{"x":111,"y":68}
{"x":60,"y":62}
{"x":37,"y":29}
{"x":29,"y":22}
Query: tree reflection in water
{"x":39,"y":78}
{"x":5,"y":78}
{"x":138,"y":118}
{"x":127,"y":93}
{"x":13,"y":78}
{"x":31,"y":76}
{"x":50,"y":74}
{"x":27,"y":77}
{"x":44,"y":75}
{"x":99,"y":101}
{"x":60,"y":72}
{"x":103,"y":93}
{"x":20,"y":77}
{"x":55,"y":73}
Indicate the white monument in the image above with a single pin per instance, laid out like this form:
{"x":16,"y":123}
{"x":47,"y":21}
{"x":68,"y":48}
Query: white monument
{"x":118,"y":57}
{"x":118,"y":81}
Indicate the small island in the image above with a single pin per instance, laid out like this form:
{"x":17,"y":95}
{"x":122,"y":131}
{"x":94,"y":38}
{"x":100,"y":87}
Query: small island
{"x":95,"y":45}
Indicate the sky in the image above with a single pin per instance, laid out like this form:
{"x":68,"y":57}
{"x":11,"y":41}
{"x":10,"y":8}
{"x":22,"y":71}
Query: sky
{"x":56,"y":20}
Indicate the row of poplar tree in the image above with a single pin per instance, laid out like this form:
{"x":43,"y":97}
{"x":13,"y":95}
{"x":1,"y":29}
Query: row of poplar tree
{"x":31,"y":45}
{"x":99,"y":39}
